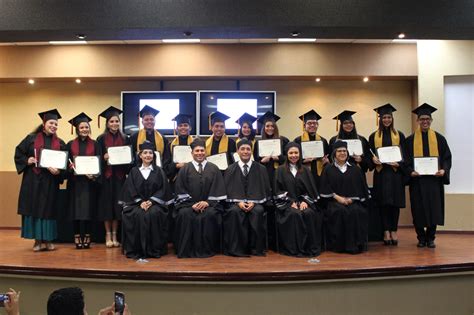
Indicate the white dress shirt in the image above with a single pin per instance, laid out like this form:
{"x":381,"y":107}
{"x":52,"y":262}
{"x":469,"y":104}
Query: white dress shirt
{"x":146,"y":170}
{"x":342,"y":168}
{"x":241,"y":165}
{"x":196,"y":165}
{"x":293,"y":169}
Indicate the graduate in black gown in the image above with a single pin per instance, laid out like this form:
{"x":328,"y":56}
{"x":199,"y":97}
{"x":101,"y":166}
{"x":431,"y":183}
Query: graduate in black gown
{"x":246,"y":130}
{"x":149,"y":133}
{"x":346,"y":215}
{"x":113,"y":176}
{"x":310,"y":126}
{"x":299,"y":219}
{"x":82,"y":189}
{"x":248,"y":188}
{"x":389,"y":178}
{"x":427,"y":191}
{"x":219,"y":142}
{"x":183,"y":137}
{"x":145,"y":197}
{"x":39,"y":186}
{"x":200,"y":190}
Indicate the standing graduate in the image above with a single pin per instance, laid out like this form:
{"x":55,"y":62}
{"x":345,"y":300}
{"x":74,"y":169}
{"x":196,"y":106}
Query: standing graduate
{"x":346,"y":215}
{"x":145,"y":197}
{"x":248,"y":188}
{"x":427,"y":191}
{"x":270,"y":131}
{"x":39,"y":186}
{"x":183,"y":137}
{"x":299,"y":219}
{"x":246,"y":130}
{"x":82,"y":189}
{"x":152,"y":135}
{"x":347,"y":131}
{"x":389,"y":178}
{"x":113,"y":176}
{"x":199,"y":189}
{"x":219,"y":142}
{"x":310,"y":126}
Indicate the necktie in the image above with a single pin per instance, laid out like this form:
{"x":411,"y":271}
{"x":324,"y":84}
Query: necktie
{"x":200,"y":168}
{"x":246,"y":170}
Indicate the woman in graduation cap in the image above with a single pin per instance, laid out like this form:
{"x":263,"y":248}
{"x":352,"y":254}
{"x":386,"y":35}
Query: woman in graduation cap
{"x":388,"y":182}
{"x":39,"y":186}
{"x":113,"y":176}
{"x":145,"y":197}
{"x":345,"y":188}
{"x":82,"y":189}
{"x":270,"y":131}
{"x":246,"y":130}
{"x":347,"y":131}
{"x":299,"y":219}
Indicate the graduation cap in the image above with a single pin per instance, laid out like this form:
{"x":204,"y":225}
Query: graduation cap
{"x":386,"y":109}
{"x":339,"y":144}
{"x":75,"y":121}
{"x":108,"y":113}
{"x":310,"y":115}
{"x":217,"y":117}
{"x":246,"y":118}
{"x":424,"y":109}
{"x":182,"y":119}
{"x":148,"y":110}
{"x":268,"y":116}
{"x":50,"y":114}
{"x":146,"y":145}
{"x":343,"y":116}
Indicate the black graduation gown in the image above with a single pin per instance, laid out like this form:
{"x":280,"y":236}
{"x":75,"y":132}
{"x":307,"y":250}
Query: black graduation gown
{"x":389,"y":184}
{"x":299,"y":231}
{"x":110,"y":187}
{"x":313,"y":163}
{"x":427,"y":192}
{"x":165,"y":157}
{"x":171,"y":169}
{"x":366,"y":157}
{"x":82,"y":192}
{"x":270,"y":166}
{"x":347,"y":226}
{"x":198,"y":234}
{"x":145,"y":232}
{"x":245,"y":232}
{"x":38,"y":192}
{"x":231,"y":148}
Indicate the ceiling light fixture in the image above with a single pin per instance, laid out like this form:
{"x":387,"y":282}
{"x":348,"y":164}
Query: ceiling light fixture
{"x":181,"y":41}
{"x":188,"y":33}
{"x":81,"y":36}
{"x":295,"y":34}
{"x":401,"y":35}
{"x":31,"y":81}
{"x":296,"y":40}
{"x":78,"y":81}
{"x":68,"y":42}
{"x":366,"y":79}
{"x":317,"y":79}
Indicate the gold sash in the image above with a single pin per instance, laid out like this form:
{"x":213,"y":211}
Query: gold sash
{"x":378,"y":140}
{"x":159,"y":144}
{"x":418,"y":143}
{"x":319,"y":162}
{"x":223,"y":145}
{"x":176,"y":141}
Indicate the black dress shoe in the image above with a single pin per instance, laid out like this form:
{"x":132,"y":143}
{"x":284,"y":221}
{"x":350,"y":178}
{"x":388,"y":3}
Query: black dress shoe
{"x":386,"y":242}
{"x":421,"y":244}
{"x":431,"y":244}
{"x":394,"y":242}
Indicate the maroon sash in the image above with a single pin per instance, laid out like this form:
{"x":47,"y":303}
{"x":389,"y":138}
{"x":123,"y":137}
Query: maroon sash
{"x":39,"y":144}
{"x":111,"y":141}
{"x":90,"y":148}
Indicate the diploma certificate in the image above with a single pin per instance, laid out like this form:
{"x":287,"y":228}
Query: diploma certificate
{"x":53,"y":158}
{"x":354,"y":146}
{"x":87,"y":165}
{"x":120,"y":155}
{"x":182,"y":154}
{"x":270,"y":147}
{"x":426,"y":165}
{"x":390,"y":154}
{"x":158,"y":158}
{"x":218,"y":159}
{"x":312,"y":149}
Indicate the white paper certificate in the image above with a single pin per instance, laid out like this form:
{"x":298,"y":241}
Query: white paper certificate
{"x":312,"y":149}
{"x":182,"y":154}
{"x":354,"y":146}
{"x":218,"y":159}
{"x":426,"y":165}
{"x":158,"y":158}
{"x":270,"y":147}
{"x":237,"y":157}
{"x":53,"y":158}
{"x":87,"y":165}
{"x":390,"y":154}
{"x":120,"y":155}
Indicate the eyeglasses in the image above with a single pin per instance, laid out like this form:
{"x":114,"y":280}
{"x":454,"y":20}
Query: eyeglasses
{"x":424,"y":119}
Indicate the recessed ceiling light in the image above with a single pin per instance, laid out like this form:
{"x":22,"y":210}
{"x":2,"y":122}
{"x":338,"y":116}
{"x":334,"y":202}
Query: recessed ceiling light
{"x":295,"y":34}
{"x":401,"y":35}
{"x":317,"y":79}
{"x":68,"y":42}
{"x":188,"y":33}
{"x":31,"y":81}
{"x":296,"y":40}
{"x":182,"y":41}
{"x":366,"y":79}
{"x":81,"y":36}
{"x":78,"y":81}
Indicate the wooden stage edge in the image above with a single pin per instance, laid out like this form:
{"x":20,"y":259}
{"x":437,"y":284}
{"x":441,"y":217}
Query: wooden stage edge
{"x":454,"y":254}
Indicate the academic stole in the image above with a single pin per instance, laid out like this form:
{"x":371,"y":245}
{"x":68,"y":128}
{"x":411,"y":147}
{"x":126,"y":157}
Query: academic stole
{"x":319,"y":162}
{"x":176,"y":142}
{"x":111,"y":141}
{"x":39,"y":144}
{"x":418,"y":143}
{"x":253,"y":143}
{"x":223,"y":145}
{"x":159,"y":144}
{"x":378,"y":140}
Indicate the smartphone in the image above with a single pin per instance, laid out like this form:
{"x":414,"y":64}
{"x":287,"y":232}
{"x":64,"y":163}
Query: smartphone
{"x":119,"y":299}
{"x":3,"y":298}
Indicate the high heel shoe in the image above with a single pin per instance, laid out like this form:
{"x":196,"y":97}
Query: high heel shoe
{"x":86,"y":244}
{"x":395,"y":242}
{"x":78,"y":241}
{"x":387,"y":242}
{"x":108,"y":240}
{"x":114,"y":240}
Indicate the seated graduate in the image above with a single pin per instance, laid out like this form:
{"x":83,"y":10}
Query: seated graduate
{"x":145,"y":196}
{"x":248,"y":188}
{"x":199,"y":188}
{"x":346,"y":215}
{"x":299,"y":219}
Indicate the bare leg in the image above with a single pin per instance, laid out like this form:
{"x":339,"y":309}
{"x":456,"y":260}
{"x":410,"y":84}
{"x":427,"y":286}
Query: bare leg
{"x":108,"y":234}
{"x":114,"y":233}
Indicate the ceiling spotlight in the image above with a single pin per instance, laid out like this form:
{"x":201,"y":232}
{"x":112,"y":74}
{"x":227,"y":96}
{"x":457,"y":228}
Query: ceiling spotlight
{"x":401,"y":35}
{"x":366,"y":79}
{"x":188,"y":33}
{"x":78,"y":81}
{"x":317,"y":79}
{"x":295,"y":34}
{"x":31,"y":81}
{"x":81,"y":36}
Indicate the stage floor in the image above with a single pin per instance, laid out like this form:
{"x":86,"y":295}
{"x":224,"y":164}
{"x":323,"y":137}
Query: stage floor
{"x":454,"y":253}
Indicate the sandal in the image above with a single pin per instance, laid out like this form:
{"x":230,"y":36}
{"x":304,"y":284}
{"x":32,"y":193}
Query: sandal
{"x":108,"y":240}
{"x":114,"y":240}
{"x":86,"y":243}
{"x":78,"y":241}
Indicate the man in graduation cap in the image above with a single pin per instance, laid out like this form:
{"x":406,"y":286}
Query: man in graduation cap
{"x":152,"y":135}
{"x":248,"y":188}
{"x":427,"y":191}
{"x":199,"y":189}
{"x":183,"y":137}
{"x":311,"y":123}
{"x":219,"y":142}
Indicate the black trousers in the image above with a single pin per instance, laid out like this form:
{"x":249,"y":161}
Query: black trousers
{"x":425,"y":235}
{"x":82,"y":227}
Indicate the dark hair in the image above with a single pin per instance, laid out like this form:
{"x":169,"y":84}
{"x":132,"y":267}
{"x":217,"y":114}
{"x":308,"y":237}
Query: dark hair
{"x":139,"y":161}
{"x":381,"y":126}
{"x":276,"y":133}
{"x":351,"y":135}
{"x":198,"y":142}
{"x":38,"y":129}
{"x":252,"y":132}
{"x":299,"y":164}
{"x":77,"y":128}
{"x":66,"y":301}
{"x":106,"y":129}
